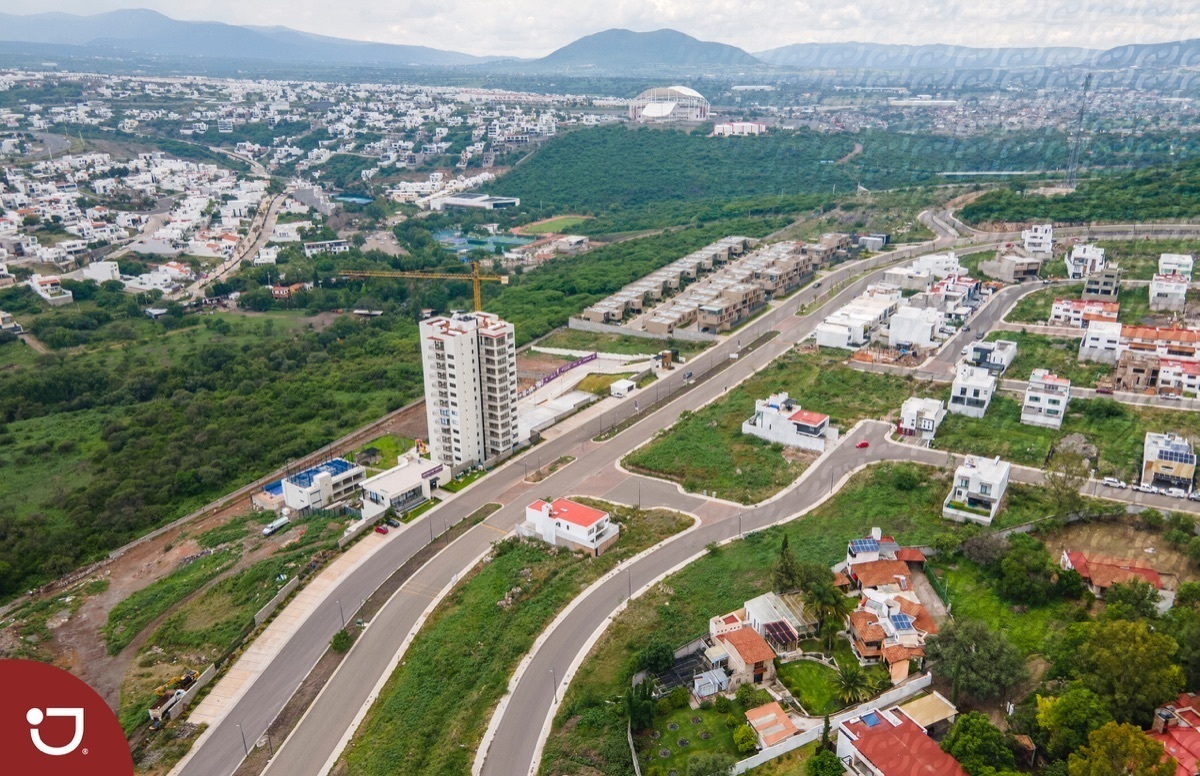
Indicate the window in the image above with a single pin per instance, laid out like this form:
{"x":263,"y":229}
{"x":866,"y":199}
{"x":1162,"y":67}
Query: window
{"x":985,"y":490}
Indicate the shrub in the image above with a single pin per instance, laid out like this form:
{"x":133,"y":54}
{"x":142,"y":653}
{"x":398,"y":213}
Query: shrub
{"x":341,"y":641}
{"x":679,"y":698}
{"x":706,"y":705}
{"x":663,"y":707}
{"x":745,"y":739}
{"x":722,"y":704}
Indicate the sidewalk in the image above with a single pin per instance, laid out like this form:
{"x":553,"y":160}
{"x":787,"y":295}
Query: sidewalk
{"x":262,"y":650}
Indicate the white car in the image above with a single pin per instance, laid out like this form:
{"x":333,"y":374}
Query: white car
{"x":1176,"y":492}
{"x":1113,"y":482}
{"x":1145,"y":488}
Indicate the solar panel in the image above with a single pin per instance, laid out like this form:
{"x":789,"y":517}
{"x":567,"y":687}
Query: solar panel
{"x":901,"y":621}
{"x":780,"y":631}
{"x":863,"y":545}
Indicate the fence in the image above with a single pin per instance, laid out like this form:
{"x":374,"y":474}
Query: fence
{"x":637,"y":766}
{"x":938,"y":588}
{"x":579,"y":324}
{"x":888,"y":698}
{"x":557,"y":373}
{"x":262,"y":614}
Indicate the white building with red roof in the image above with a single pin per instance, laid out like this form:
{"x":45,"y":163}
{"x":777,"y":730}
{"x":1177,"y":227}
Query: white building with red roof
{"x":780,"y":419}
{"x":1177,"y":728}
{"x":890,"y":743}
{"x":1081,"y":312}
{"x":567,"y":523}
{"x":1100,"y":572}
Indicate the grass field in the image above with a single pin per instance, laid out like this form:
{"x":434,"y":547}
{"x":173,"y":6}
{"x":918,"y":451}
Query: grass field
{"x":431,"y":715}
{"x":589,"y":732}
{"x":706,"y":450}
{"x":390,"y":447}
{"x":601,"y":384}
{"x":1035,"y":307}
{"x":687,"y":737}
{"x":622,"y":344}
{"x":1059,"y":355}
{"x":559,"y":225}
{"x":813,"y":684}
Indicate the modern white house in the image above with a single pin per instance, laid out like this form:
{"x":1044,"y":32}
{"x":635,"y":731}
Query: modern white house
{"x":408,"y":484}
{"x":50,"y":289}
{"x":1176,"y":264}
{"x":916,"y":327}
{"x":1078,"y":313}
{"x":920,"y":417}
{"x":1046,"y":398}
{"x":8,"y":324}
{"x":322,"y":485}
{"x":470,"y":365}
{"x":1083,"y":260}
{"x":327,"y":246}
{"x":994,"y":356}
{"x":1039,"y":240}
{"x":268,"y":254}
{"x":102,"y":271}
{"x":780,"y":419}
{"x":979,"y":487}
{"x":1101,"y":342}
{"x":1168,"y":292}
{"x":566,"y":523}
{"x":971,"y":391}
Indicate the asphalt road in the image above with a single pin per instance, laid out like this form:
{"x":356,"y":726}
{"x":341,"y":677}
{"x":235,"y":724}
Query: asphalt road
{"x":317,"y":738}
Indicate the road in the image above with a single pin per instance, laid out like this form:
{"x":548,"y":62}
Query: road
{"x":260,"y":232}
{"x":318,"y":737}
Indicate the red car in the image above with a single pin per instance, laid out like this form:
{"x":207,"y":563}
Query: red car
{"x":381,"y":529}
{"x":863,"y":444}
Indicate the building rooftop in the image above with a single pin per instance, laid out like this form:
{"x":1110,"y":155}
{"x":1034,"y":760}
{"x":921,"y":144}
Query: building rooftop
{"x":752,"y":647}
{"x":571,"y":512}
{"x":771,"y":723}
{"x":900,"y":749}
{"x":333,"y":468}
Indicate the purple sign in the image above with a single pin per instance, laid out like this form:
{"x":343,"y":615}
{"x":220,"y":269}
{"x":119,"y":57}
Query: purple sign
{"x":435,"y":470}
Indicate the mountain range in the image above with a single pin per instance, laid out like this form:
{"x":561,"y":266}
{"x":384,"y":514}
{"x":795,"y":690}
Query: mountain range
{"x":145,"y":32}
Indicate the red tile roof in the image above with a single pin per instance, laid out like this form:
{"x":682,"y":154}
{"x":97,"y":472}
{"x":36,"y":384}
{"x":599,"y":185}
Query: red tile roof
{"x":899,"y":654}
{"x":910,"y":555}
{"x":902,"y":750}
{"x":866,"y":626}
{"x":1184,"y":745}
{"x":922,"y":619}
{"x":750,"y":646}
{"x":1104,"y":572}
{"x":875,"y":573}
{"x":771,"y":723}
{"x":808,"y":417}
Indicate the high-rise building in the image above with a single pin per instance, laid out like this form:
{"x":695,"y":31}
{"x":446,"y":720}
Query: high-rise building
{"x":470,"y":363}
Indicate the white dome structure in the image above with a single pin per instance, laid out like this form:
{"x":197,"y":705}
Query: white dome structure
{"x":669,"y":103}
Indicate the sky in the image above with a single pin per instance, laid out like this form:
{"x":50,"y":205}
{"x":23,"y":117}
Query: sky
{"x":536,"y":27}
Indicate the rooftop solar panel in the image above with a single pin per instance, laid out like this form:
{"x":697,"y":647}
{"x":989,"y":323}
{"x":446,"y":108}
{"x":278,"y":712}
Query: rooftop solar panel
{"x":864,"y":545}
{"x":901,"y":621}
{"x":780,"y":631}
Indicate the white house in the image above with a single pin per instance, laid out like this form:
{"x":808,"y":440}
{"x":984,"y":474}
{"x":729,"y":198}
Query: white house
{"x":268,"y":254}
{"x":979,"y":486}
{"x":941,"y":265}
{"x":322,"y":485}
{"x":915,"y":327}
{"x":1168,"y":292}
{"x":971,"y":391}
{"x":920,"y":417}
{"x":1039,"y":239}
{"x":410,"y":483}
{"x":327,"y":246}
{"x":780,"y":419}
{"x":570,"y":524}
{"x":994,"y":356}
{"x":1084,"y":260}
{"x":1080,"y":312}
{"x":1046,"y":398}
{"x":101,"y":271}
{"x":1101,"y":342}
{"x":50,"y":289}
{"x":1176,"y":264}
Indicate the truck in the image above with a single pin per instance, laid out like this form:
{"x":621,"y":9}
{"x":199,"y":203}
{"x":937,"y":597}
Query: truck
{"x":275,"y":525}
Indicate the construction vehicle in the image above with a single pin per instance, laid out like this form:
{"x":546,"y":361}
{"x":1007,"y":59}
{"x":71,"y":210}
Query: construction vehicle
{"x":169,"y":696}
{"x":476,"y":277}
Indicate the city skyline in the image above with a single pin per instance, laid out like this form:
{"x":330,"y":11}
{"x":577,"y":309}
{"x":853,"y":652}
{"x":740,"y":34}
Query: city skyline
{"x":536,"y":28}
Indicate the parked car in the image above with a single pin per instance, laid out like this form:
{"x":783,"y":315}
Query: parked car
{"x":1104,"y":389}
{"x":1140,"y":488}
{"x":966,"y":349}
{"x":967,"y":327}
{"x":1046,"y":281}
{"x":1194,"y":495}
{"x":393,"y":522}
{"x":1113,"y":482}
{"x":381,"y":529}
{"x":981,"y":335}
{"x":863,"y":444}
{"x":1176,"y":492}
{"x":1170,"y":396}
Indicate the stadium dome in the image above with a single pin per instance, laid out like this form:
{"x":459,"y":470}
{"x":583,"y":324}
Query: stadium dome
{"x":669,"y":103}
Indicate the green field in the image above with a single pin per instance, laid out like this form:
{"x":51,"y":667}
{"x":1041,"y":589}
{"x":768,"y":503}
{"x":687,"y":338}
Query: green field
{"x":431,"y":715}
{"x":560,"y":225}
{"x":1035,"y":307}
{"x":622,"y":344}
{"x":707,"y":450}
{"x":1059,"y":355}
{"x":589,"y":732}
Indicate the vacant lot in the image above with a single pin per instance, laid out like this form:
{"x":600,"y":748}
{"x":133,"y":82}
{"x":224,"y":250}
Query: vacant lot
{"x":622,"y":344}
{"x":706,"y":450}
{"x":1119,"y":539}
{"x":557,"y":225}
{"x":1058,"y":354}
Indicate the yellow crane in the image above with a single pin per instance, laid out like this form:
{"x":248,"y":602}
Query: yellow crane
{"x":476,"y":277}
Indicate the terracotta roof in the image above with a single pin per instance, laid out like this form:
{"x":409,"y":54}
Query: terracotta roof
{"x":771,"y":723}
{"x":922,"y":619}
{"x":875,"y":573}
{"x":729,"y":619}
{"x":808,"y":417}
{"x":750,"y":646}
{"x":1157,"y":334}
{"x":1104,"y":572}
{"x":902,"y":750}
{"x":840,"y":579}
{"x":866,"y":626}
{"x":571,"y":512}
{"x":899,"y":654}
{"x":910,"y":555}
{"x":1184,"y":745}
{"x":865,"y":650}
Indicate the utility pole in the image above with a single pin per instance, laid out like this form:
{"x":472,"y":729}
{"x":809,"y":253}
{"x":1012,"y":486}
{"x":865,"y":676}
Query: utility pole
{"x":343,"y":614}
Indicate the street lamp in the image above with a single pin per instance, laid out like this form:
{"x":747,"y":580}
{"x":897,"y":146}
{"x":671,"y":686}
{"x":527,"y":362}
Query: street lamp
{"x":343,"y":614}
{"x":554,"y":685}
{"x":245,"y":746}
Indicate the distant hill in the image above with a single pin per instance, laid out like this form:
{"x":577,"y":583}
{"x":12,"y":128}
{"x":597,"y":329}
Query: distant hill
{"x":625,"y":49}
{"x":1180,"y":53}
{"x":149,"y":32}
{"x":888,"y":56}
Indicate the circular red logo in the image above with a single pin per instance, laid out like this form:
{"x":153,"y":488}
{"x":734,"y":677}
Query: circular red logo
{"x":52,"y":724}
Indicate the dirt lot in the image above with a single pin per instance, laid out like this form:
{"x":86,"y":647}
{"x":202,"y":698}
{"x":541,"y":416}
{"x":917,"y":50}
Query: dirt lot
{"x":1119,"y":539}
{"x":532,"y":366}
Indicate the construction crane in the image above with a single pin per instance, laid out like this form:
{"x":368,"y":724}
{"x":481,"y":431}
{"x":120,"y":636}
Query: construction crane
{"x":1077,"y":146}
{"x":476,"y":277}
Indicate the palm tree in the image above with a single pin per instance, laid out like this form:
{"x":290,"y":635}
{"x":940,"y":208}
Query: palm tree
{"x":829,"y":606}
{"x":853,"y":684}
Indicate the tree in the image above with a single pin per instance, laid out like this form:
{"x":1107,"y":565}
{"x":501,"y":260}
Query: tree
{"x":1183,"y":623}
{"x":1120,"y":750}
{"x":824,"y":763}
{"x":710,"y":764}
{"x":977,"y":661}
{"x":1193,"y":550}
{"x":1026,"y":571}
{"x":1066,"y":472}
{"x":830,"y":607}
{"x":1135,"y":599}
{"x":745,"y":739}
{"x":853,"y":684}
{"x":657,"y":656}
{"x":1069,"y":719}
{"x":977,"y":744}
{"x":639,"y":705}
{"x":341,"y":641}
{"x":1188,"y":595}
{"x":1129,"y":667}
{"x":785,"y":575}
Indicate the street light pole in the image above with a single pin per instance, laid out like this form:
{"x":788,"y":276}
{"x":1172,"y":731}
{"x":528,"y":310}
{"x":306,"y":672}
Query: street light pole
{"x":554,"y":685}
{"x":245,"y":746}
{"x":343,"y":614}
{"x":740,"y":534}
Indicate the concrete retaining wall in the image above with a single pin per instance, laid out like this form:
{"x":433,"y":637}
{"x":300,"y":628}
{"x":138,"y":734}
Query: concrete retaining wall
{"x":188,"y":696}
{"x":579,"y":324}
{"x":262,"y":614}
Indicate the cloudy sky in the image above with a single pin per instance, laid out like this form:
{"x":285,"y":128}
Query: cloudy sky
{"x":536,"y":27}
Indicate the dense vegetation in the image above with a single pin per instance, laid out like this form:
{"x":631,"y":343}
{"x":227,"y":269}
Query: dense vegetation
{"x":1152,"y":194}
{"x":152,"y":419}
{"x":610,"y":169}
